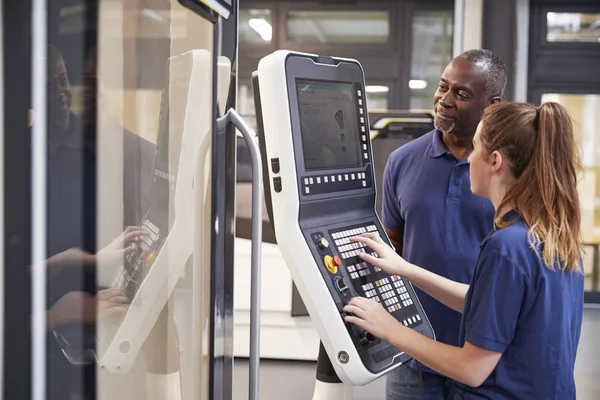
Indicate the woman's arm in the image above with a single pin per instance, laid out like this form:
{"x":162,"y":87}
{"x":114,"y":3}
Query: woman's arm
{"x":446,"y":291}
{"x":470,"y":365}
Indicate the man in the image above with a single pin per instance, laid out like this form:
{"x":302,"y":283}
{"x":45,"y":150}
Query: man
{"x":429,"y":212}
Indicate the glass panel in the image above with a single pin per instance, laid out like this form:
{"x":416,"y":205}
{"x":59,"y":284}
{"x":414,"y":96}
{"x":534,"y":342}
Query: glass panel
{"x":584,"y":110}
{"x":129,"y":105}
{"x":255,"y":26}
{"x":377,"y":97}
{"x":431,"y":52}
{"x":573,"y":27}
{"x":351,"y":27}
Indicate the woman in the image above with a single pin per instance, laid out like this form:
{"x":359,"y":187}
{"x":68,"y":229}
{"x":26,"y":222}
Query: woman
{"x":522,"y":311}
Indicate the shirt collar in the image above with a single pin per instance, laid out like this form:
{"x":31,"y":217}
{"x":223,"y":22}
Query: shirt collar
{"x":510,"y":216}
{"x":437,"y":148}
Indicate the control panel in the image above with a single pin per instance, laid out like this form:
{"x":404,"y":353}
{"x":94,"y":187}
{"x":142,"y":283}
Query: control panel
{"x":137,"y":263}
{"x":319,"y":188}
{"x":349,"y":276}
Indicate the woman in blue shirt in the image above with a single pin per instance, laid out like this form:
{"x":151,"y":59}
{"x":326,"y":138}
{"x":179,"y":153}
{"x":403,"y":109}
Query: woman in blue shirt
{"x":521,"y":314}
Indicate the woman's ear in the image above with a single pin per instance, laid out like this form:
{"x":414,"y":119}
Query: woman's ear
{"x":497,"y":161}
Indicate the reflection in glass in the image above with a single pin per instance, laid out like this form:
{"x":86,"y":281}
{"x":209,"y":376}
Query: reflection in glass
{"x":255,"y":26}
{"x":431,"y":52}
{"x":584,"y":110}
{"x":351,"y":27}
{"x":573,"y":27}
{"x":119,"y":148}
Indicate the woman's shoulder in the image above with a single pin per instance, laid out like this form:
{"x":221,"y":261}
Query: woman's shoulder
{"x":512,"y":244}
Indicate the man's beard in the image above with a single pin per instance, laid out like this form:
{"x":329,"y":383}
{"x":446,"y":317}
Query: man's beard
{"x":443,"y":127}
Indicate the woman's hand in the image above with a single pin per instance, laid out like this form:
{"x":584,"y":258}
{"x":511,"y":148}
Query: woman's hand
{"x":83,"y":308}
{"x":388,"y":260}
{"x":372,"y":317}
{"x":122,"y":245}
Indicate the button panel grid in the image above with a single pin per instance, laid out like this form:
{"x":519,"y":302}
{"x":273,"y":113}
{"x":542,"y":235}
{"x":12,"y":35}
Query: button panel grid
{"x":370,"y":281}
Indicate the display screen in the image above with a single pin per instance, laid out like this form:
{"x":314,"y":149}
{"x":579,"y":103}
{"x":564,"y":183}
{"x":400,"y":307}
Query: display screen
{"x":329,"y":125}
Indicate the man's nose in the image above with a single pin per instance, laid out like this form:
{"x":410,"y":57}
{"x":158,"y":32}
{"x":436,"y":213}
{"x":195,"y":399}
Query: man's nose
{"x":447,"y":99}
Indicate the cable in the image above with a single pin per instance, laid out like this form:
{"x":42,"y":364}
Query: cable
{"x":420,"y":380}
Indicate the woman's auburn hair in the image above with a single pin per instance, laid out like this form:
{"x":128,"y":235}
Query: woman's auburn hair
{"x":543,"y":157}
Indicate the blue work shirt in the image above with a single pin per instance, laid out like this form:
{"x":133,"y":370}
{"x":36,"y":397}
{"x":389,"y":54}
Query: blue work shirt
{"x":532,"y":315}
{"x":427,"y":197}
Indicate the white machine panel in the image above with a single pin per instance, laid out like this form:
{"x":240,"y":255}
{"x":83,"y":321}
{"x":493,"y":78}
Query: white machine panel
{"x":150,"y":274}
{"x":319,"y":188}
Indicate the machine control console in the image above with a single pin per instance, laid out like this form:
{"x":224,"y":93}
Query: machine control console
{"x":319,"y":188}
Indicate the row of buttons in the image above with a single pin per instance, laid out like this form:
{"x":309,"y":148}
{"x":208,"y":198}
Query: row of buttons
{"x":351,"y":246}
{"x":411,"y":320}
{"x":354,"y":253}
{"x":363,"y":128}
{"x":353,"y":232}
{"x":332,"y":178}
{"x":340,"y":178}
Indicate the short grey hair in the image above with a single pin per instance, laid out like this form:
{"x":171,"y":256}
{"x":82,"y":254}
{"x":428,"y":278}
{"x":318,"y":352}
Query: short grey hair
{"x":495,"y":70}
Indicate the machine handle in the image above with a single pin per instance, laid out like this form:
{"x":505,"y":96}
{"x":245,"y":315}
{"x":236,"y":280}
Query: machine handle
{"x":257,"y":190}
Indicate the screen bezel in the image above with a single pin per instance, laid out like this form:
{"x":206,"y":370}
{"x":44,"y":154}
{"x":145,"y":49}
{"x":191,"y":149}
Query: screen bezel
{"x":307,"y":67}
{"x":358,"y":154}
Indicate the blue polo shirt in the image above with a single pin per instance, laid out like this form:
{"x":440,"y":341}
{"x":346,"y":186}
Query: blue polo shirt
{"x":427,"y":197}
{"x":532,"y":315}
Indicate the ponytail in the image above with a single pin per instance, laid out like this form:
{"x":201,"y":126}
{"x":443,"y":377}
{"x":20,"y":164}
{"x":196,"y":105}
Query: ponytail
{"x":540,"y":145}
{"x":555,"y":164}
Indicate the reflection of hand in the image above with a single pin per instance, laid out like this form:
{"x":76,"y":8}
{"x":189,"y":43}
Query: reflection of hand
{"x":388,"y":260}
{"x":111,"y":302}
{"x":83,"y":308}
{"x":73,"y":307}
{"x":113,"y":253}
{"x":371,"y":316}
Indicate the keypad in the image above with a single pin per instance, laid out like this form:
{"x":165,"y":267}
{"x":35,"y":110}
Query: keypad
{"x":129,"y":275}
{"x":350,"y":249}
{"x":389,"y":291}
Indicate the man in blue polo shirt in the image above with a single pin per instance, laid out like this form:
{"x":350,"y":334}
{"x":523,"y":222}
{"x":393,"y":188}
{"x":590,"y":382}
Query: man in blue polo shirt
{"x":429,"y":212}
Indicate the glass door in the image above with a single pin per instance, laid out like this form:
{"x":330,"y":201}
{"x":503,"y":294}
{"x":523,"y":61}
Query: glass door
{"x":585,"y":111}
{"x":115,"y":164}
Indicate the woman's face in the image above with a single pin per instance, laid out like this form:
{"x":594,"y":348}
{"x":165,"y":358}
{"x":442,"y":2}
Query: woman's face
{"x":479,"y":167}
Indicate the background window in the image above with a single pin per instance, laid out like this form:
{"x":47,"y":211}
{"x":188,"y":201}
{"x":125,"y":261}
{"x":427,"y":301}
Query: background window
{"x":377,"y":97}
{"x":338,"y":26}
{"x":255,"y":26}
{"x":584,"y":110}
{"x":431,"y":52}
{"x":573,"y":27}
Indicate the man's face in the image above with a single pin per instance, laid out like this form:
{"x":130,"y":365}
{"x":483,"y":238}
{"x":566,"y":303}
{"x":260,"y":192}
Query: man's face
{"x":59,"y":95}
{"x":460,"y":98}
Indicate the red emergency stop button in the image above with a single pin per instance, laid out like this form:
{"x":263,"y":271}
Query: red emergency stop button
{"x":337,"y":261}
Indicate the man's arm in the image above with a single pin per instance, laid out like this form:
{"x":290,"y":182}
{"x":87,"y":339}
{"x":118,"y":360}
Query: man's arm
{"x":396,"y":238}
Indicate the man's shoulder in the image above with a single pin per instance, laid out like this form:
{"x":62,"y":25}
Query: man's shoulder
{"x":412,"y":150}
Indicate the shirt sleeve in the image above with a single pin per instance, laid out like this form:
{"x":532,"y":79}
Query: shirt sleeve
{"x":498,"y":293}
{"x":390,"y":208}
